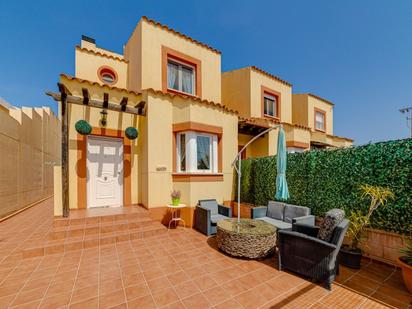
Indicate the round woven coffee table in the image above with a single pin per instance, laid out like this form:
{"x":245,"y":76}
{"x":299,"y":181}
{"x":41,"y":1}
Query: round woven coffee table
{"x":252,"y":239}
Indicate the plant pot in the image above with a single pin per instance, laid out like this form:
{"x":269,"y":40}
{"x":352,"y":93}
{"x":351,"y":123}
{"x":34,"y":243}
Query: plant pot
{"x":350,"y":258}
{"x":406,"y":274}
{"x":175,"y":201}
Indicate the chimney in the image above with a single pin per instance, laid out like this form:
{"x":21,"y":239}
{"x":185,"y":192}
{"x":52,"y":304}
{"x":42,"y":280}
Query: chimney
{"x":88,"y":42}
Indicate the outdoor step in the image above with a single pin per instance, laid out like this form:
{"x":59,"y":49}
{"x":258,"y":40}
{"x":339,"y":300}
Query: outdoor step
{"x":100,"y":219}
{"x":62,"y":232}
{"x":89,"y":241}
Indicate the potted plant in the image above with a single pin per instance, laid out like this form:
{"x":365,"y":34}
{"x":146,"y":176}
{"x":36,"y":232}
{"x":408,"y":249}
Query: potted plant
{"x":405,"y":262}
{"x":175,"y":195}
{"x":351,"y":254}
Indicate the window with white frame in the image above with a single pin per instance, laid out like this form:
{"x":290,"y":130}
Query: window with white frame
{"x":270,"y":105}
{"x":196,"y":152}
{"x":320,"y":120}
{"x":180,"y":77}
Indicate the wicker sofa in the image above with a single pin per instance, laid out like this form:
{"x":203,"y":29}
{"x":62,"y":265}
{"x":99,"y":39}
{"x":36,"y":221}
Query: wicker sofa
{"x":281,"y":215}
{"x":208,"y":213}
{"x":302,"y":251}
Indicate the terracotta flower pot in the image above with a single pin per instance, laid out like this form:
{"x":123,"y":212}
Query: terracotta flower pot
{"x":406,"y":274}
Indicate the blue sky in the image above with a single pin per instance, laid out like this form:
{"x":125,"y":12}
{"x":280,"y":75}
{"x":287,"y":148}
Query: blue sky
{"x":357,"y":54}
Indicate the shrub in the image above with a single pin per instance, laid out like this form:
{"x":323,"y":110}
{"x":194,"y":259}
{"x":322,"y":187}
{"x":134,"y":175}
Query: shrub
{"x":326,"y":179}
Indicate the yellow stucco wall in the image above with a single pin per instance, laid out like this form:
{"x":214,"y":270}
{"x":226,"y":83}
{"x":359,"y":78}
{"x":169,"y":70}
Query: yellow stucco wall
{"x":146,"y":43}
{"x":236,"y":90}
{"x":304,"y":111}
{"x":115,"y":121}
{"x":257,"y":80}
{"x":133,"y":54}
{"x":164,"y":111}
{"x":328,"y":108}
{"x":300,"y":109}
{"x":87,"y":65}
{"x":241,"y":90}
{"x":29,"y":147}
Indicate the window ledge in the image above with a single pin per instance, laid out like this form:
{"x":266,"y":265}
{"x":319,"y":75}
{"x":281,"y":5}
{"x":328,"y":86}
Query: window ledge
{"x":197,"y":177}
{"x":182,"y":93}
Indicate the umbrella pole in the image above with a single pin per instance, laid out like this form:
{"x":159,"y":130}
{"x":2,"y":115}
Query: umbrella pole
{"x":239,"y":164}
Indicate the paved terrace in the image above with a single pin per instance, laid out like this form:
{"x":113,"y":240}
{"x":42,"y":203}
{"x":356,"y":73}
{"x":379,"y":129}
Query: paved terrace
{"x":175,"y":269}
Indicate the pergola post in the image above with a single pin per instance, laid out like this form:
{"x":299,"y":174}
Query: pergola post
{"x":65,"y":151}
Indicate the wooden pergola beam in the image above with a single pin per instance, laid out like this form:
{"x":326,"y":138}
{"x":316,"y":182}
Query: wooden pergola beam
{"x":123,"y":103}
{"x":86,"y":96}
{"x":138,"y":110}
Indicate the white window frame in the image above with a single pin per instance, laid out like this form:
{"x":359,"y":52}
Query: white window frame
{"x":275,"y":104}
{"x":179,"y":75}
{"x":191,"y":153}
{"x":323,"y":128}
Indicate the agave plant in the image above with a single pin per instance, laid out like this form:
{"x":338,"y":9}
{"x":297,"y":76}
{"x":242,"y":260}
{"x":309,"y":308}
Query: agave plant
{"x":407,"y":253}
{"x":379,"y":196}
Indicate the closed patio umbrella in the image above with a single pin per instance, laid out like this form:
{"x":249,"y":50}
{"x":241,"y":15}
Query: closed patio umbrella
{"x":282,"y":192}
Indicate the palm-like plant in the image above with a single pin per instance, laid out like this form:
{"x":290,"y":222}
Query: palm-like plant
{"x":379,"y":196}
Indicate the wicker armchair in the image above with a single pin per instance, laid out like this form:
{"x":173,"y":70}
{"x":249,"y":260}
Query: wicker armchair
{"x":302,"y":252}
{"x":208,"y":213}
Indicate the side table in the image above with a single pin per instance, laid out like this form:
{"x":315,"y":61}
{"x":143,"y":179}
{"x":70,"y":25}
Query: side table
{"x":176,"y":214}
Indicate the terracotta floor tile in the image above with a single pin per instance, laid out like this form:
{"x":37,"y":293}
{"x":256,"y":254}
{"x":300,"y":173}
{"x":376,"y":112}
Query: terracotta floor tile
{"x":56,"y":300}
{"x":216,"y":295}
{"x":30,"y":305}
{"x":112,"y":299}
{"x":158,"y":284}
{"x":6,"y":300}
{"x":29,"y":296}
{"x":393,"y":299}
{"x":145,"y":302}
{"x":91,"y":303}
{"x":136,"y":291}
{"x":178,"y":264}
{"x":133,"y":279}
{"x":250,"y":299}
{"x":186,"y":289}
{"x":84,"y":293}
{"x":197,"y":301}
{"x":57,"y":288}
{"x":204,"y":282}
{"x":176,"y":305}
{"x":229,"y":304}
{"x":178,"y":277}
{"x":108,"y":286}
{"x":165,"y":297}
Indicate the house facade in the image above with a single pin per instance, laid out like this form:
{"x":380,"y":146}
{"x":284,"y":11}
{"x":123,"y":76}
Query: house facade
{"x":195,"y":119}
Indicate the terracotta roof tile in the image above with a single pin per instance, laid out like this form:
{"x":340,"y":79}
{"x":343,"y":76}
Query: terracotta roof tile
{"x":319,"y":98}
{"x":340,"y":137}
{"x":184,"y":36}
{"x":90,"y":51}
{"x":271,"y":75}
{"x":98,"y":84}
{"x":206,"y":102}
{"x":267,"y":121}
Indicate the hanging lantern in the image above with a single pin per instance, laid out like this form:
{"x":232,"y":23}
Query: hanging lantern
{"x":131,"y":133}
{"x":103,"y":117}
{"x":83,"y":127}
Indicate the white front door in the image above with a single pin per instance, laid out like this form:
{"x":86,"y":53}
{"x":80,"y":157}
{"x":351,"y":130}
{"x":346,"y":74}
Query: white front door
{"x":104,"y":171}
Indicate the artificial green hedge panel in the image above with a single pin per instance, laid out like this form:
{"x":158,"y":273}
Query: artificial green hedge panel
{"x":326,"y":179}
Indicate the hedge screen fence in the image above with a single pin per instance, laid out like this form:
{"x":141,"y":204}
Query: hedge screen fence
{"x":325,"y":179}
